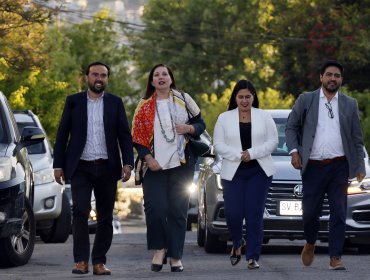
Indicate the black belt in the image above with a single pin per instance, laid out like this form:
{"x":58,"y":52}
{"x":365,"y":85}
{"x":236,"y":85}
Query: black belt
{"x":95,"y":161}
{"x":326,"y":161}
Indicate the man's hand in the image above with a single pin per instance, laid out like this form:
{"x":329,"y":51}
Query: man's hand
{"x":59,"y":176}
{"x":360,"y":177}
{"x":296,"y":160}
{"x":126,"y":173}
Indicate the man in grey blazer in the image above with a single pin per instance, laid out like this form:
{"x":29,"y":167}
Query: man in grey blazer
{"x":324,"y":138}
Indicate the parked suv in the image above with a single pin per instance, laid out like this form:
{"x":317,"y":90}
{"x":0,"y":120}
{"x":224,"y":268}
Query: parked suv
{"x":17,"y":224}
{"x":283,"y":209}
{"x":51,"y":204}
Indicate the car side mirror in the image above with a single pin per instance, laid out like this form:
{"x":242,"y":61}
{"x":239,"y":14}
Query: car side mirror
{"x":29,"y":136}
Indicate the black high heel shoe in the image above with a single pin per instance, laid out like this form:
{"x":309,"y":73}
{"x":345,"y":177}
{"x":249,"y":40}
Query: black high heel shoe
{"x":178,"y":268}
{"x":234,"y":258}
{"x":158,"y":267}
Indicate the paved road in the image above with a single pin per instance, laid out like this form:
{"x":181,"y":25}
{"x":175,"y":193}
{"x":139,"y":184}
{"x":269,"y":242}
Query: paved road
{"x":129,"y":259}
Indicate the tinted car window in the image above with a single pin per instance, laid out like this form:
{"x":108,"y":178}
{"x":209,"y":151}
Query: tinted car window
{"x":36,"y":148}
{"x":282,"y":149}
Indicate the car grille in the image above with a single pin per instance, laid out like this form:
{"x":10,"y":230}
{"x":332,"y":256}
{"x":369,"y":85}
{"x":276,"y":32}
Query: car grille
{"x":8,"y":194}
{"x":285,"y":191}
{"x":361,"y":215}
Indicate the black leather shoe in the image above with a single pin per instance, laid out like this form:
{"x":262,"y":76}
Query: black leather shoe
{"x":177,"y":268}
{"x":234,"y":258}
{"x":158,"y":267}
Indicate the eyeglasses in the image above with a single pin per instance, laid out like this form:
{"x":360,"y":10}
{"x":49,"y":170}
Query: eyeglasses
{"x":330,"y":110}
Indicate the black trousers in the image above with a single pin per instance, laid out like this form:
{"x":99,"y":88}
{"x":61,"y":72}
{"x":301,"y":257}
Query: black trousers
{"x":87,"y":178}
{"x":331,"y":179}
{"x":166,"y":203}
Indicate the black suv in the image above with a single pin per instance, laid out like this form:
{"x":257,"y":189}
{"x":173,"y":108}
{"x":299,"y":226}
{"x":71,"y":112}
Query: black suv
{"x":17,"y":223}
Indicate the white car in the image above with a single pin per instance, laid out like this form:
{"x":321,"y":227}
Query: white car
{"x":51,"y":205}
{"x":283,"y":208}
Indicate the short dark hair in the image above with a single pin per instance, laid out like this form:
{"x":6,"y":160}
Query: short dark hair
{"x":243,"y":84}
{"x":149,"y":87}
{"x":330,"y":63}
{"x":94,"y":64}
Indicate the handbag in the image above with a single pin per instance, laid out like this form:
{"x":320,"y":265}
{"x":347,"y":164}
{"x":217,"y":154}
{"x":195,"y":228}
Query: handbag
{"x":198,"y":147}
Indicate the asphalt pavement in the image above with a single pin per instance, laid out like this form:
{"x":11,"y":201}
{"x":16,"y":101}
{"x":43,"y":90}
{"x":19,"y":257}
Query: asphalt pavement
{"x":129,"y":258}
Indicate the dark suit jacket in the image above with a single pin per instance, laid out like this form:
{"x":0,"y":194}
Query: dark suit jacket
{"x":72,"y":134}
{"x":350,"y":129}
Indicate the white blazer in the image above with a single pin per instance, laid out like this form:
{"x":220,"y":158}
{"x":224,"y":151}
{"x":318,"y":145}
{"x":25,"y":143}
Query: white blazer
{"x":227,"y":143}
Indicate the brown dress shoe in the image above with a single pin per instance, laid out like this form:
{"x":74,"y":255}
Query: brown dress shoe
{"x":307,"y":254}
{"x":100,"y":269}
{"x":80,"y":268}
{"x":336,"y":264}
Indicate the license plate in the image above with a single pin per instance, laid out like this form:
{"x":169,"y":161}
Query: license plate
{"x":290,"y":208}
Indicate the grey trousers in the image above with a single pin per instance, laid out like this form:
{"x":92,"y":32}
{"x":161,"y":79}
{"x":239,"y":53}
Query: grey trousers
{"x":166,"y":202}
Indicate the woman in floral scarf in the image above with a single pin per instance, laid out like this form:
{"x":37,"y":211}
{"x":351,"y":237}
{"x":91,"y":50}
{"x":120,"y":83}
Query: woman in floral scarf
{"x":163,"y":120}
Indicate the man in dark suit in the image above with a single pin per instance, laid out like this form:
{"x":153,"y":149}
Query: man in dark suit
{"x":325,"y":141}
{"x":93,"y":150}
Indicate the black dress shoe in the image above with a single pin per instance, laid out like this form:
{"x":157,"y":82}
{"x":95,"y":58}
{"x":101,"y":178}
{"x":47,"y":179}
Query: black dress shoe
{"x":234,"y":258}
{"x":158,"y":267}
{"x":177,"y":268}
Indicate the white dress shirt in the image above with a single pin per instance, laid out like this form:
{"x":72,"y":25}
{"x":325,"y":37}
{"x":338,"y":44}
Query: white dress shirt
{"x":95,"y":146}
{"x":328,"y":140}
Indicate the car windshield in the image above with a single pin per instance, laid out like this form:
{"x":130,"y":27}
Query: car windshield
{"x":38,"y":148}
{"x":282,"y":148}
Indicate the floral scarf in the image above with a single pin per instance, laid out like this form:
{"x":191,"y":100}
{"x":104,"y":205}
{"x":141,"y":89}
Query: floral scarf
{"x":143,"y":120}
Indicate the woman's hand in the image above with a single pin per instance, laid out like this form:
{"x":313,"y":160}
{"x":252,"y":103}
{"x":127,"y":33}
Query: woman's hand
{"x":184,"y":128}
{"x":153,"y":164}
{"x":245,"y":156}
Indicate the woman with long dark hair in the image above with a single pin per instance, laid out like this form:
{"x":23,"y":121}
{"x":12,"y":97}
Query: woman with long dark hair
{"x":245,"y":137}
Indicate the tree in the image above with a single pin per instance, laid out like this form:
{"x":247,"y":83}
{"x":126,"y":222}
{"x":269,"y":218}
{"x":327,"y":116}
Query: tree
{"x":21,"y":41}
{"x":100,"y":40}
{"x":311,"y":32}
{"x":205,"y":42}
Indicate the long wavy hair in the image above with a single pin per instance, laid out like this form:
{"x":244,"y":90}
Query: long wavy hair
{"x":243,"y":84}
{"x":150,"y":89}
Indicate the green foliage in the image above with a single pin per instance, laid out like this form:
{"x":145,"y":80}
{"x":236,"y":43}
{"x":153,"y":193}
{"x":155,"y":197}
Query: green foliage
{"x":203,"y":41}
{"x":21,"y":43}
{"x":311,"y":32}
{"x":98,"y":40}
{"x":363,"y":99}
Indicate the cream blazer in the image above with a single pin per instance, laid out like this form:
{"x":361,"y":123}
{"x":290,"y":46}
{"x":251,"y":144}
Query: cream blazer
{"x":227,"y":143}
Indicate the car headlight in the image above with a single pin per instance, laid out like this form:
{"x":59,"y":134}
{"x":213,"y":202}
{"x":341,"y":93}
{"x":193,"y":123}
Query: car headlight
{"x":218,"y":182}
{"x":192,"y":188}
{"x":356,"y":187}
{"x":5,"y":168}
{"x":44,"y":176}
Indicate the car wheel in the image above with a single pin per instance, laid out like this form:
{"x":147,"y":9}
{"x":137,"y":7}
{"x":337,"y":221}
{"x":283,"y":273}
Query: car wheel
{"x":364,"y":249}
{"x":17,"y":249}
{"x":61,"y":228}
{"x":200,"y":233}
{"x":212,"y":244}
